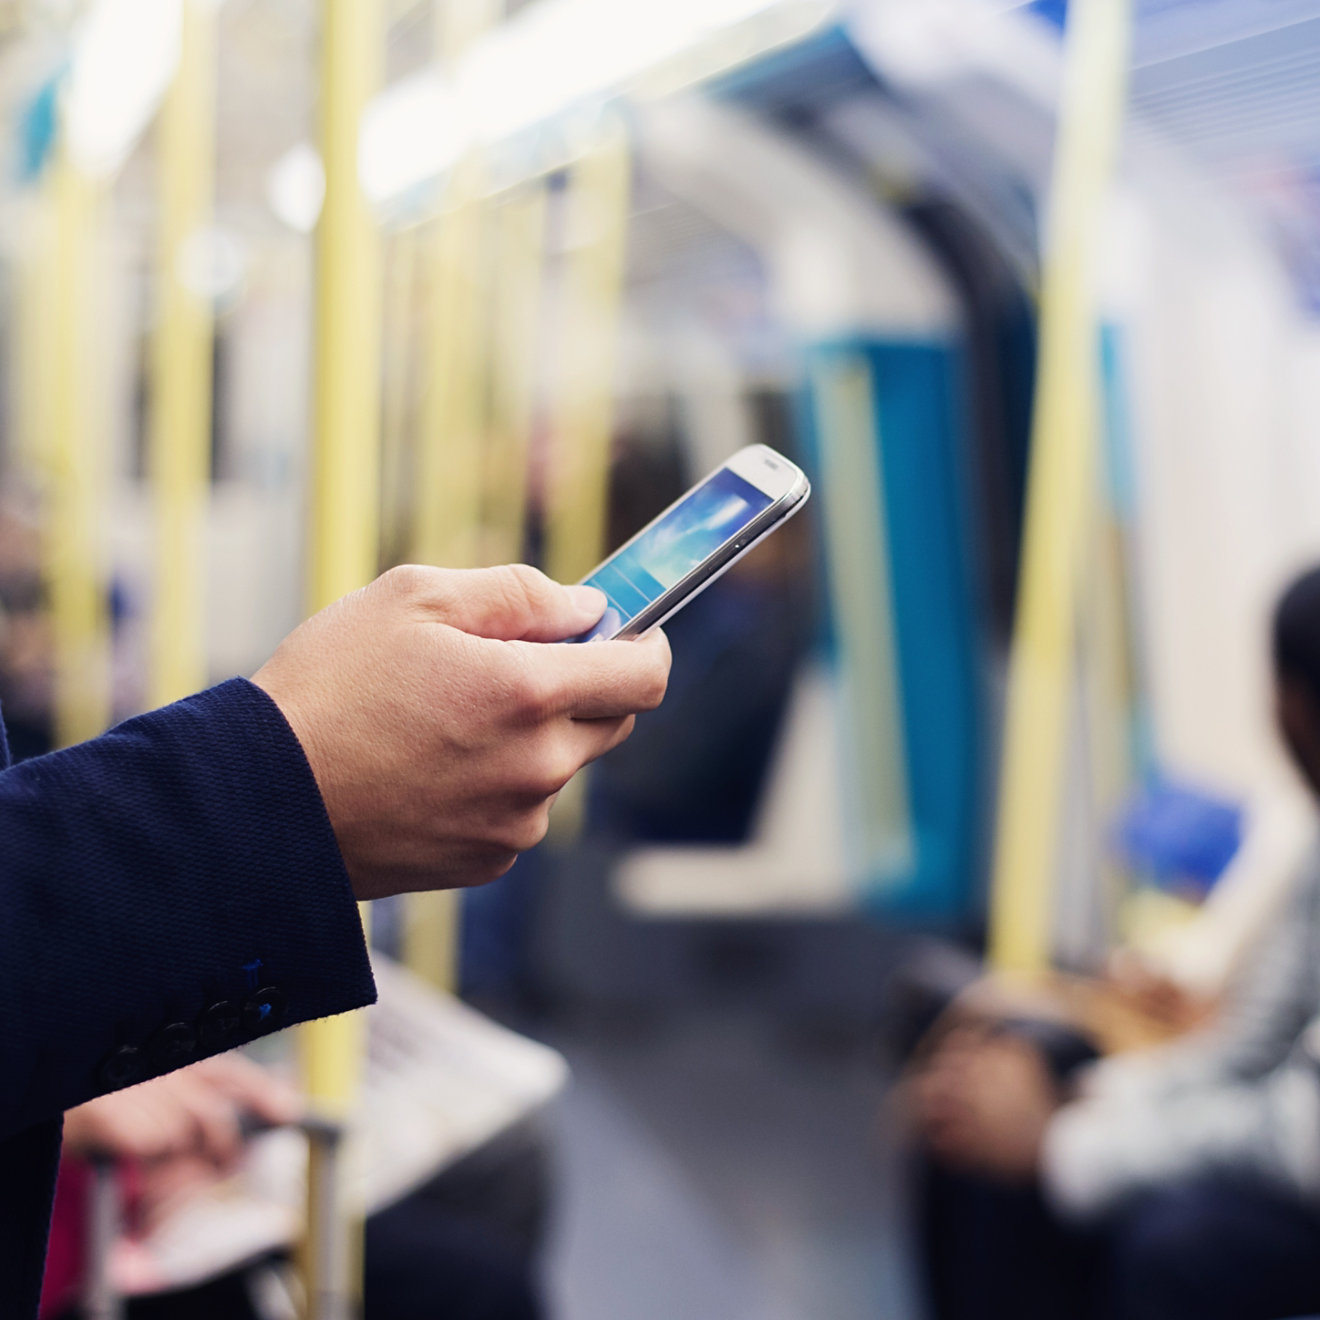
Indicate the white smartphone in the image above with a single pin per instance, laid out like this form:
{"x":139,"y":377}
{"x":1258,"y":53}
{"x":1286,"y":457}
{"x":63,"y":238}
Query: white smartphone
{"x":678,"y":555}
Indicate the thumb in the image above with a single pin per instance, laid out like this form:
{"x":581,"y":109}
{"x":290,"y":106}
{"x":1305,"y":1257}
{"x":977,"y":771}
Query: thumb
{"x":519,"y":603}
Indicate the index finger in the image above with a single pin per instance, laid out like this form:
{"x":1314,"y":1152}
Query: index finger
{"x":606,"y":680}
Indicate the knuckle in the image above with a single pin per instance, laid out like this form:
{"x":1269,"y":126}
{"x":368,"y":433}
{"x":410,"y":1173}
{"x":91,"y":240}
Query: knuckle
{"x":520,"y":584}
{"x":405,"y":580}
{"x":533,"y":691}
{"x":554,"y":768}
{"x":526,"y":830}
{"x":493,"y":863}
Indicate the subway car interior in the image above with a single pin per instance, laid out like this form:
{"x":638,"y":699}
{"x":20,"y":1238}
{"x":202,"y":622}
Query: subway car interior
{"x":946,"y":946}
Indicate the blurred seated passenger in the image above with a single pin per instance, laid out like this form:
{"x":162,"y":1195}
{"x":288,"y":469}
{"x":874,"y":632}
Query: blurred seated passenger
{"x":178,"y":1134}
{"x":1175,"y":1184}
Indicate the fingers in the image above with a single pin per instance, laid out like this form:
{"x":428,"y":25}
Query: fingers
{"x":606,"y":680}
{"x":131,"y":1125}
{"x":253,"y":1089}
{"x":191,"y":1113}
{"x":214,"y":1119}
{"x":511,"y":603}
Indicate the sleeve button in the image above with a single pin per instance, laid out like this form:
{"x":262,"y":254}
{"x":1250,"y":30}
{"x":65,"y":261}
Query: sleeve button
{"x":264,"y":1009}
{"x":122,"y":1068}
{"x":220,"y":1023}
{"x":174,"y":1045}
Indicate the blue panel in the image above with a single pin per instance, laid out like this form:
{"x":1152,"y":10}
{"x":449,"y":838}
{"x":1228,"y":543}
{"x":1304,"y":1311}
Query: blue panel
{"x":38,"y":126}
{"x":1053,"y":11}
{"x":1181,"y":836}
{"x":820,"y":71}
{"x":918,"y":400}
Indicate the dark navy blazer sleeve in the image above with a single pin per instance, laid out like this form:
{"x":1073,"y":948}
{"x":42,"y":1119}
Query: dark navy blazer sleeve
{"x":170,"y":890}
{"x":167,"y":891}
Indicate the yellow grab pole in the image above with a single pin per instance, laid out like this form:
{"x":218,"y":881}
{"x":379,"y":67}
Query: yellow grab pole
{"x":447,"y":514}
{"x":482,"y":487}
{"x":1108,"y":697}
{"x":79,"y":615}
{"x":446,"y":519}
{"x":519,"y":261}
{"x":342,"y":555}
{"x":179,"y":435}
{"x":33,"y":362}
{"x":1060,"y":488}
{"x":596,"y":222}
{"x":857,"y":544}
{"x":577,"y":480}
{"x":448,"y":511}
{"x":344,"y":525}
{"x":449,"y":454}
{"x":396,"y":406}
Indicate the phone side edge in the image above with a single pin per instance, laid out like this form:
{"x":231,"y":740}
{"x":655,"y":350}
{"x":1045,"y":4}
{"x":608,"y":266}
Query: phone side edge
{"x":689,"y":588}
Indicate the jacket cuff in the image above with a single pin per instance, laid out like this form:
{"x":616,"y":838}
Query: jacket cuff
{"x":276,"y":936}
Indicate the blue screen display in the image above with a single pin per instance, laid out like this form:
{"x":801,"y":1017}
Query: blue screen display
{"x":667,"y":551}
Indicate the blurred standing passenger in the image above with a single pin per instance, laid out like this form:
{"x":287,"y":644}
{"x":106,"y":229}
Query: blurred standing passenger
{"x":1179,"y":1184}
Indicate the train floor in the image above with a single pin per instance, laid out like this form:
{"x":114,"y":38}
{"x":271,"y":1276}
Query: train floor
{"x":718,"y":1168}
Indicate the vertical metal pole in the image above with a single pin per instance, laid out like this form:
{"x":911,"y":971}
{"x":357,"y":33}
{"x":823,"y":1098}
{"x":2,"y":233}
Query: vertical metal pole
{"x":448,"y":511}
{"x":597,"y":228}
{"x":447,"y":522}
{"x":1060,"y":488}
{"x":449,"y":458}
{"x":398,"y":334}
{"x":519,"y":230}
{"x":856,"y":536}
{"x":101,"y":1300}
{"x":342,"y":555}
{"x":179,"y":434}
{"x":452,"y":414}
{"x":595,"y":223}
{"x":79,"y":615}
{"x":33,"y":362}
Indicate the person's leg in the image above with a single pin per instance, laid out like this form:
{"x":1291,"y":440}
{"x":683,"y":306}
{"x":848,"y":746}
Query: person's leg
{"x":226,"y":1298}
{"x":1216,"y":1249}
{"x":993,"y":1252}
{"x":422,"y":1263}
{"x":425,"y":1264}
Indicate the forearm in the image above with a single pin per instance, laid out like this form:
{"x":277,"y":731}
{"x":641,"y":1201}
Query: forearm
{"x":156,"y":881}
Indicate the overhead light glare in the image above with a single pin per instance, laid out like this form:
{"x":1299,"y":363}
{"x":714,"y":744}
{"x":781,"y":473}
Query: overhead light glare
{"x":295,"y":188}
{"x":554,"y":56}
{"x":125,"y":53}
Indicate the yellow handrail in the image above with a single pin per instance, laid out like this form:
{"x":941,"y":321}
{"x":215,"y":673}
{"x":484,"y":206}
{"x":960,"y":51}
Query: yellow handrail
{"x":34,"y":361}
{"x":1060,"y":489}
{"x":397,"y":419}
{"x":596,"y":224}
{"x":447,"y":517}
{"x":452,"y":420}
{"x":179,"y":435}
{"x":78,"y":606}
{"x":856,"y":538}
{"x":519,"y":231}
{"x":343,"y":536}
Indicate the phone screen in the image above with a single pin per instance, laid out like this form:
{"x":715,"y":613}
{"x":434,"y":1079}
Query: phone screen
{"x":668,"y":550}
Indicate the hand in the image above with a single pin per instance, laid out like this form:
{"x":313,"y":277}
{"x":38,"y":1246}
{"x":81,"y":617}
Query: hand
{"x":1153,"y":994}
{"x":191,"y":1113}
{"x":439,"y":725}
{"x":983,"y":1102}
